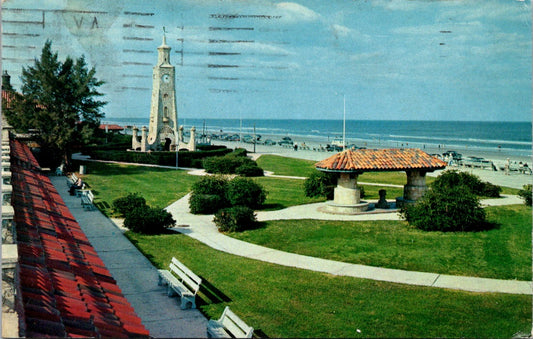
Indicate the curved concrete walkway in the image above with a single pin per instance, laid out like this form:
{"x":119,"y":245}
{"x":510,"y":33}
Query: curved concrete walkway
{"x":202,"y":228}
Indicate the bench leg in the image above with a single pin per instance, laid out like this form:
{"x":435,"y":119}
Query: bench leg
{"x":187,"y":303}
{"x":170,"y":291}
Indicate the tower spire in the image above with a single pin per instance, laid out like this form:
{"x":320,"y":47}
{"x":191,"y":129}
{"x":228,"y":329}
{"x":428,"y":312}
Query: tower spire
{"x":164,"y":36}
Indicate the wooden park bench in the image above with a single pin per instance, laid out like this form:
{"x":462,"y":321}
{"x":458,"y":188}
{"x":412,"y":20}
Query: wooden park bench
{"x":180,"y":280}
{"x":72,"y":179}
{"x":229,"y":325}
{"x":87,"y":200}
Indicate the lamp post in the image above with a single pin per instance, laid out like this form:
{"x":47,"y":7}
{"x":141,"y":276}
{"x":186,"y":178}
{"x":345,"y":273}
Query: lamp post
{"x":177,"y":142}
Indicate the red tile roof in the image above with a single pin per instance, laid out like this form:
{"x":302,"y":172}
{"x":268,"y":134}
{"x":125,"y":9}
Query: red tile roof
{"x":111,"y":127}
{"x":374,"y":160}
{"x":22,"y":153}
{"x":66,"y":289}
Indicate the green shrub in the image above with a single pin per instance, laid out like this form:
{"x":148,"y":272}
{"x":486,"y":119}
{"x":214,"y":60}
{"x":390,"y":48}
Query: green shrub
{"x":235,"y":219}
{"x":525,"y":193}
{"x":453,"y":178}
{"x":211,"y":184}
{"x":129,"y":203}
{"x":245,"y":192}
{"x":208,"y":195}
{"x":222,"y":165}
{"x":148,"y":220}
{"x":320,"y":184}
{"x":239,"y":152}
{"x":491,"y":190}
{"x":206,"y":203}
{"x":227,"y":164}
{"x":250,"y":170}
{"x":446,"y":209}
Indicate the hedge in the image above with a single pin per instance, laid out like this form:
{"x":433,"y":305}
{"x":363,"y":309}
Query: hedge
{"x":185,"y":158}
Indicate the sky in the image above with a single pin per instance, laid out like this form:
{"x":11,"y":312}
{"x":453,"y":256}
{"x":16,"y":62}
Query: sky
{"x":389,"y":60}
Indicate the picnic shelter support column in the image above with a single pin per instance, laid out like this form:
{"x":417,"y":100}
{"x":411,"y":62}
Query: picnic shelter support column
{"x":416,"y":185}
{"x":347,"y":192}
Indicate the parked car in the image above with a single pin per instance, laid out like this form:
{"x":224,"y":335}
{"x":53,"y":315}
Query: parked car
{"x":269,"y":142}
{"x":234,"y":137}
{"x":285,"y":141}
{"x":333,"y":148}
{"x":248,"y":139}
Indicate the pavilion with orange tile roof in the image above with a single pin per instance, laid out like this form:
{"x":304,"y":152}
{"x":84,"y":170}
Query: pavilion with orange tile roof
{"x":353,"y":162}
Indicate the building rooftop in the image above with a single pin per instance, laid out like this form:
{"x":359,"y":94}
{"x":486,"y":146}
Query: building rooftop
{"x":375,"y":160}
{"x":65,"y":287}
{"x":111,"y":127}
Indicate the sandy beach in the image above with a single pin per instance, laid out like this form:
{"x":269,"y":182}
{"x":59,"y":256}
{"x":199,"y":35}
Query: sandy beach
{"x":310,"y":152}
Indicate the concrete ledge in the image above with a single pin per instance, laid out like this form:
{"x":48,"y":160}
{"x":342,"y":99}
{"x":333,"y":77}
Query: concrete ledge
{"x":10,"y":325}
{"x":9,"y":255}
{"x":332,"y":207}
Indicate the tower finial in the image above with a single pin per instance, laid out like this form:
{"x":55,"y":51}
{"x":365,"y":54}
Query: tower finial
{"x":164,"y":36}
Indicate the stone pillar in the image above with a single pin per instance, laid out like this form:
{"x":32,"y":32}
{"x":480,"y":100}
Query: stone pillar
{"x":7,"y":192}
{"x":192,"y":140}
{"x":416,"y":185}
{"x":6,"y":178}
{"x":347,"y":192}
{"x":144,"y":143}
{"x":180,"y":134}
{"x":8,"y":225}
{"x":134,"y":141}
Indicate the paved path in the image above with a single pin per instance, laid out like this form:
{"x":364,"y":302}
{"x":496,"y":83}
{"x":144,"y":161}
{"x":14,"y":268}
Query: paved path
{"x":135,"y":275}
{"x":202,"y":228}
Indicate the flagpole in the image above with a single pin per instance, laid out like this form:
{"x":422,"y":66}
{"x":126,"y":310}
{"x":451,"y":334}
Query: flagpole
{"x":344,"y":124}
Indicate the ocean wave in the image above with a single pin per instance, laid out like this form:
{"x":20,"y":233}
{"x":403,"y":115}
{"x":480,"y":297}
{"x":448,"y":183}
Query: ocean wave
{"x":455,"y":139}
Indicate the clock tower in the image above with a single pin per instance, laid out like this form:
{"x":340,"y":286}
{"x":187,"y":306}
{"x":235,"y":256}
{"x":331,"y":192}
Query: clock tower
{"x":163,"y":128}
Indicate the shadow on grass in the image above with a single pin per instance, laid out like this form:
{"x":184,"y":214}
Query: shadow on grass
{"x":272,"y":207}
{"x":212,"y":294}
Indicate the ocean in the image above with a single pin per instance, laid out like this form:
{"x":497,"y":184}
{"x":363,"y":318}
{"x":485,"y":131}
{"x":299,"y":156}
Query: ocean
{"x":512,"y":138}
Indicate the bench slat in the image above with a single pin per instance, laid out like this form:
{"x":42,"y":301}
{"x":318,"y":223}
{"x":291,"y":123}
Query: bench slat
{"x":187,"y":271}
{"x":229,"y":323}
{"x":182,"y":281}
{"x":195,"y":286}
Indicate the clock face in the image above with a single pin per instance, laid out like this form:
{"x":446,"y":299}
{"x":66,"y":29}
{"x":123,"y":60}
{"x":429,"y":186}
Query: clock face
{"x":166,"y":78}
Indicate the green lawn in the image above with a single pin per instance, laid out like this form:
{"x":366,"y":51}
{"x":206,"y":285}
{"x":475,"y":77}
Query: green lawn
{"x":286,"y":166}
{"x":159,"y":186}
{"x":287,"y":302}
{"x":503,"y":252}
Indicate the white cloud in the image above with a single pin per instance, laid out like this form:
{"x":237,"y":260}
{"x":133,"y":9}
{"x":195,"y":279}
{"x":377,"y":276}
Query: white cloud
{"x":340,"y":30}
{"x":398,"y":5}
{"x":295,"y":12}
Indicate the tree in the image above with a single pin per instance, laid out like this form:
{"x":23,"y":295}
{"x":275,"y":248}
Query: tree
{"x":59,"y":103}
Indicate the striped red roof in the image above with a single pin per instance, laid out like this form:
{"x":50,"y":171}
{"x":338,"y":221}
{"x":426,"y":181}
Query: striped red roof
{"x":66,"y":289}
{"x":374,"y":160}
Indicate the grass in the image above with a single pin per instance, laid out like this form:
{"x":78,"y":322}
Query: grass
{"x":503,"y":252}
{"x":159,"y":186}
{"x":287,"y":302}
{"x":283,"y":193}
{"x":286,"y":166}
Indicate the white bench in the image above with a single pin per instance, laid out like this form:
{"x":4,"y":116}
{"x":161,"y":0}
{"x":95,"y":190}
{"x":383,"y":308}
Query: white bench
{"x":72,"y":179}
{"x":229,"y":325}
{"x":87,"y":198}
{"x":183,"y":282}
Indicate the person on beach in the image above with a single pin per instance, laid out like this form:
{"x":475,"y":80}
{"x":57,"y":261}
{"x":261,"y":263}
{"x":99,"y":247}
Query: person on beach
{"x":507,"y":166}
{"x":295,"y":146}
